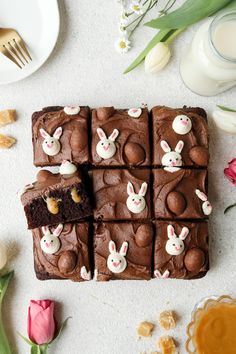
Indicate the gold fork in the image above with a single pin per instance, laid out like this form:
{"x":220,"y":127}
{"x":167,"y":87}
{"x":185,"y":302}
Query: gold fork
{"x":13,"y":47}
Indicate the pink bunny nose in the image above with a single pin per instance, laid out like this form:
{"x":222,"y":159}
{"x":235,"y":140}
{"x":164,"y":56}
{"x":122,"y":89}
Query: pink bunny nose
{"x":177,"y":248}
{"x":49,"y":146}
{"x":173,"y":163}
{"x":137,"y":202}
{"x":105,"y":147}
{"x":184,"y":122}
{"x":47,"y":244}
{"x":116,"y":264}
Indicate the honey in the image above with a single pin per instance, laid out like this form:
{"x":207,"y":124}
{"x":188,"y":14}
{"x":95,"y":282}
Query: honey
{"x":215,"y":330}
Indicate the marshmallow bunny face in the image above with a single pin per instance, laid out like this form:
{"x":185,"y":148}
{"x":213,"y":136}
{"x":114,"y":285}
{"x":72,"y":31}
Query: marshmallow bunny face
{"x":51,"y":144}
{"x":136,"y":202}
{"x":50,"y":242}
{"x":175,"y":244}
{"x":206,"y":205}
{"x":182,"y":124}
{"x":106,"y":147}
{"x":172,"y":158}
{"x":116,"y":261}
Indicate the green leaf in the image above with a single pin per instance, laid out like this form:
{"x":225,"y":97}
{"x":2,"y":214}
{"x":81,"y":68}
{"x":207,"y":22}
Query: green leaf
{"x":161,"y":36}
{"x":28,"y":341}
{"x":229,"y":207}
{"x":226,"y":108}
{"x":4,"y":282}
{"x":61,"y":328}
{"x":190,"y":12}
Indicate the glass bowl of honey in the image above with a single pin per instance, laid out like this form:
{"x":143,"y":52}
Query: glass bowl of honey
{"x":213,"y":326}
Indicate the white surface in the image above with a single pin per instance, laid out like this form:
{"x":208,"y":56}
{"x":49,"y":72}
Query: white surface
{"x":37,"y":22}
{"x":84,"y":68}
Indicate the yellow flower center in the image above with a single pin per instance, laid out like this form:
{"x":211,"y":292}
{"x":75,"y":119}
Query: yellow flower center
{"x":136,"y":7}
{"x":122,"y":45}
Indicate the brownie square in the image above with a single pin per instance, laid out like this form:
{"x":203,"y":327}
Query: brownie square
{"x":55,"y":198}
{"x":128,"y":137}
{"x":179,"y":195}
{"x":123,"y":251}
{"x":181,"y":250}
{"x":70,"y":261}
{"x":186,"y":126}
{"x":60,"y":133}
{"x":111,"y":198}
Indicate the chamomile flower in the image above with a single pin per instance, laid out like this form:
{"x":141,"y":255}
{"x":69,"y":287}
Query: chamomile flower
{"x":122,"y":45}
{"x":122,"y":29}
{"x":136,"y":7}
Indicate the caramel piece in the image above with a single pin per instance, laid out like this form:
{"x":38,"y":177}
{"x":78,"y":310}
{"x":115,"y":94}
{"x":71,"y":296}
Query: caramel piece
{"x":6,"y":141}
{"x":167,"y":345}
{"x":167,"y":320}
{"x":8,"y":116}
{"x":145,"y":329}
{"x":52,"y":205}
{"x":75,"y":196}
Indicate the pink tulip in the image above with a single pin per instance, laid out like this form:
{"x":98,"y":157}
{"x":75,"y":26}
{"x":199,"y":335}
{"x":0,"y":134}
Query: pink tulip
{"x":41,"y":322}
{"x":230,"y":171}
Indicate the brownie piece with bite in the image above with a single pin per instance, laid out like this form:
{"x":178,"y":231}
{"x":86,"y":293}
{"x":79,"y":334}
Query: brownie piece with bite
{"x":181,"y":194}
{"x":181,"y":249}
{"x":123,"y":251}
{"x":121,"y":194}
{"x":180,"y":137}
{"x":56,"y":198}
{"x":62,"y":252}
{"x":60,"y":133}
{"x":120,"y":137}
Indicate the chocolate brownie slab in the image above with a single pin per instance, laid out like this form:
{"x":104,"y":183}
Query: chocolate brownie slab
{"x":60,"y":133}
{"x":120,"y":137}
{"x":180,"y":137}
{"x":181,"y":194}
{"x":56,"y":198}
{"x":123,"y":251}
{"x":121,"y":194}
{"x":181,"y":249}
{"x":62,"y":252}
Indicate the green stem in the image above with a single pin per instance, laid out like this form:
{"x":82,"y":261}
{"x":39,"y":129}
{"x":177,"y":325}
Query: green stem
{"x":174,"y":35}
{"x":4,"y":344}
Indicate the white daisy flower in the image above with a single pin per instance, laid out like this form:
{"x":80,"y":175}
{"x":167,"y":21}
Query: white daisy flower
{"x":137,"y":7}
{"x":124,"y":19}
{"x":122,"y":29}
{"x":122,"y":45}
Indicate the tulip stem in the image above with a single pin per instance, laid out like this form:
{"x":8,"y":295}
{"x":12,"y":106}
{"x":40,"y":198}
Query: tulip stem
{"x":174,"y":35}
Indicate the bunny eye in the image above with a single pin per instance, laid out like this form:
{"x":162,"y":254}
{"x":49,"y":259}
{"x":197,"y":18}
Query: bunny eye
{"x":140,"y":199}
{"x":170,"y":160}
{"x":181,"y":245}
{"x":109,"y":144}
{"x":51,"y":241}
{"x":133,"y":200}
{"x":181,"y":118}
{"x":52,"y":142}
{"x":120,"y":260}
{"x":177,"y":159}
{"x":102,"y":144}
{"x":44,"y":240}
{"x":173,"y":244}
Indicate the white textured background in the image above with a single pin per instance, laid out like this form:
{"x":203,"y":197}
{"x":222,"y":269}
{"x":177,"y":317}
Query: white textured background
{"x":84,"y":68}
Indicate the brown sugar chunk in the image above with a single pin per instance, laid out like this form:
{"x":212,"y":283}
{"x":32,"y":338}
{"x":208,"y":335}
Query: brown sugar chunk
{"x":145,"y":329}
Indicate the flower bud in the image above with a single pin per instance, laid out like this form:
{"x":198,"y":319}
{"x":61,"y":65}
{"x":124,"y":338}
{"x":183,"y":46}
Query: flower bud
{"x":157,"y":58}
{"x":225,"y":120}
{"x":3,"y":255}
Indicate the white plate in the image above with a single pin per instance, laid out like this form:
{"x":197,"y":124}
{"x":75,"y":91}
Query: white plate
{"x":38,"y":22}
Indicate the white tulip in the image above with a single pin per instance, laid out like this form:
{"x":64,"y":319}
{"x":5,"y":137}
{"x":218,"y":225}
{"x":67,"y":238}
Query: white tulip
{"x":157,"y":58}
{"x":3,"y":255}
{"x":225,"y":120}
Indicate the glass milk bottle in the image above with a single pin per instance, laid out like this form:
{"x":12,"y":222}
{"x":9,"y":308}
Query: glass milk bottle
{"x":209,"y":66}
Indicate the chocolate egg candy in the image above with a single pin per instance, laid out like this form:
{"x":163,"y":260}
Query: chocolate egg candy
{"x":194,"y":259}
{"x":143,"y":235}
{"x":134,"y":153}
{"x":176,"y":202}
{"x":67,"y":261}
{"x":105,"y":112}
{"x":43,"y":175}
{"x":199,"y":155}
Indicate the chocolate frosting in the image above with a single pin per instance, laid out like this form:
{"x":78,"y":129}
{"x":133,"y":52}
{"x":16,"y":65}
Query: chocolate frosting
{"x":194,"y":261}
{"x":110,"y":193}
{"x":184,"y":204}
{"x":132,"y":143}
{"x":74,"y":138}
{"x":162,"y":118}
{"x":139,"y":259}
{"x":72,"y":255}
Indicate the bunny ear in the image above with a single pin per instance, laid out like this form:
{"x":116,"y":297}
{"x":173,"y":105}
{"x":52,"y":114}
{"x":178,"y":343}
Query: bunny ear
{"x":143,"y":189}
{"x":179,"y":146}
{"x":201,"y":195}
{"x":101,"y":133}
{"x":43,"y":133}
{"x":171,"y":232}
{"x":45,"y":230}
{"x":57,"y":133}
{"x":58,"y":230}
{"x":112,"y":247}
{"x":130,"y":188}
{"x":114,"y":135}
{"x":124,"y":249}
{"x":184,"y":233}
{"x":165,"y":146}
